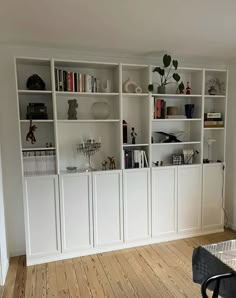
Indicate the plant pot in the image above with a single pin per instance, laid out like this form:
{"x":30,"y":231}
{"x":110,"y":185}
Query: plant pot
{"x":161,"y":89}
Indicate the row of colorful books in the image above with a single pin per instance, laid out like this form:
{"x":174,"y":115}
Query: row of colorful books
{"x":159,"y":108}
{"x":75,"y":82}
{"x":135,"y":159}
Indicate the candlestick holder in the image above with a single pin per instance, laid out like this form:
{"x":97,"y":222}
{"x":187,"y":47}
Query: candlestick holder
{"x":89,"y":148}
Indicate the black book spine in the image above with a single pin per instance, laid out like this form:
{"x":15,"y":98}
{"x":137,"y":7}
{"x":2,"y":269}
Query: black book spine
{"x":65,"y":80}
{"x":75,"y":82}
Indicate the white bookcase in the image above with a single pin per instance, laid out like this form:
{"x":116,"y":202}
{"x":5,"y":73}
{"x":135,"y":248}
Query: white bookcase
{"x":58,"y":139}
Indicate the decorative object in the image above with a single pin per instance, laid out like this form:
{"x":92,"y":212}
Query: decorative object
{"x":188,"y":89}
{"x":158,"y":163}
{"x":125,"y":132}
{"x":177,"y":159}
{"x":131,"y":86}
{"x":30,"y":135}
{"x":89,"y":148}
{"x":216,"y":87}
{"x":213,"y":120}
{"x":34,"y":82}
{"x":188,"y":155}
{"x":133,"y":135}
{"x":166,"y":75}
{"x":100,"y":110}
{"x":104,"y":165}
{"x":72,"y":111}
{"x":189,"y":109}
{"x":169,"y":138}
{"x":106,"y":86}
{"x":112,"y":164}
{"x":36,"y":111}
{"x":71,"y":169}
{"x":210,"y":143}
{"x":172,"y":110}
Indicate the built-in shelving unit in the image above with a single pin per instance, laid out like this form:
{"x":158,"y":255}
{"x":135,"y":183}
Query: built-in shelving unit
{"x":135,"y":108}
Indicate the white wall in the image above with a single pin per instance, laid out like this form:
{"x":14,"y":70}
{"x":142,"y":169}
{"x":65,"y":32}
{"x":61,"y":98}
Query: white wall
{"x":4,"y":260}
{"x":230,"y":192}
{"x":9,"y":126}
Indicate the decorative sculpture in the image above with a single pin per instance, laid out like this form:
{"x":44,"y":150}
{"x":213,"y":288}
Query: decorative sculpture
{"x":133,"y":135}
{"x":72,"y":112}
{"x":30,"y":135}
{"x":34,"y":82}
{"x":112,"y":165}
{"x":104,"y":165}
{"x":130,"y":86}
{"x":188,"y":89}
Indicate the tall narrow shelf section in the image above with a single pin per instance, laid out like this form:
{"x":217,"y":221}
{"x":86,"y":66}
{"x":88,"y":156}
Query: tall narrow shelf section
{"x":39,"y":157}
{"x":214,"y":131}
{"x":187,"y":130}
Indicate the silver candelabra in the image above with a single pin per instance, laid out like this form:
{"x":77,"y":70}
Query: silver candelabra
{"x":89,"y":148}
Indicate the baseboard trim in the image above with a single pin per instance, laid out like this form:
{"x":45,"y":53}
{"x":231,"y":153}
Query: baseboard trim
{"x":5,"y":267}
{"x":17,"y":253}
{"x":232,"y":226}
{"x":109,"y":248}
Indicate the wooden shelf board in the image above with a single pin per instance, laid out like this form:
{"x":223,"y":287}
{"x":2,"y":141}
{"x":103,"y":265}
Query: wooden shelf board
{"x":68,"y":93}
{"x":214,"y":128}
{"x":175,"y":144}
{"x":214,"y":96}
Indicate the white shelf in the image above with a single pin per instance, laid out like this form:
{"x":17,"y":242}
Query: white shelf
{"x":37,"y":120}
{"x":214,"y":128}
{"x":88,"y":121}
{"x":68,"y":93}
{"x":176,"y":144}
{"x":135,"y":94}
{"x":135,"y":145}
{"x":177,"y":95}
{"x":215,"y":96}
{"x":173,"y":120}
{"x":38,"y":149}
{"x":34,"y":92}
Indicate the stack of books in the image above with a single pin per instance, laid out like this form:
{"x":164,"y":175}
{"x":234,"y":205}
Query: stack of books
{"x":75,"y":82}
{"x":159,"y":108}
{"x":213,"y":120}
{"x":135,"y":159}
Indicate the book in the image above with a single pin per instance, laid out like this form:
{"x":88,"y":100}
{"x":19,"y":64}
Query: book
{"x":134,"y":159}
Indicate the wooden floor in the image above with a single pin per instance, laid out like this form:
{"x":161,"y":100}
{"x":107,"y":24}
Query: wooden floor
{"x":159,"y":270}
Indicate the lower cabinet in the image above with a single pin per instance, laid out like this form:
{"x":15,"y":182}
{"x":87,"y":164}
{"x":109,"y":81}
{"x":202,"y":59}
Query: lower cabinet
{"x":164,"y":201}
{"x":42,"y":216}
{"x":212,"y":211}
{"x":136,"y":185}
{"x":189,"y":197}
{"x":108,"y":207}
{"x":76,"y":211}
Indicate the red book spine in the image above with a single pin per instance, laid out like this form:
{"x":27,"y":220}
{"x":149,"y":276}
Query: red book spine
{"x":158,"y":108}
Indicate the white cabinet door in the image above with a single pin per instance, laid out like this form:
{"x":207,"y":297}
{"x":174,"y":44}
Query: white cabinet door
{"x":108,"y":209}
{"x":136,"y":204}
{"x":76,"y":211}
{"x":189,"y":198}
{"x":212,"y":195}
{"x":42,"y":216}
{"x":164,"y":194}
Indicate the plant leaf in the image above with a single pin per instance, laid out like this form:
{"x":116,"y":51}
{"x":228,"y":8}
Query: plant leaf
{"x":150,"y":87}
{"x":176,"y":77}
{"x":175,"y":64}
{"x":166,"y":60}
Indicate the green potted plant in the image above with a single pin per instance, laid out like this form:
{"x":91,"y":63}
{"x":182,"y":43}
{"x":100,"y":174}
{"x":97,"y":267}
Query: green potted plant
{"x":166,"y":76}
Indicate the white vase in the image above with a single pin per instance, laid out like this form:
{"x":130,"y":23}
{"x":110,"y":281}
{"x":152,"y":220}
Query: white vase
{"x":100,"y":110}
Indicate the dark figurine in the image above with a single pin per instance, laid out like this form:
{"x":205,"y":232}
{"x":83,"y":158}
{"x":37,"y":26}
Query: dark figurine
{"x":72,"y":112}
{"x":133,"y":135}
{"x":30,"y":135}
{"x":112,"y":164}
{"x":34,"y":82}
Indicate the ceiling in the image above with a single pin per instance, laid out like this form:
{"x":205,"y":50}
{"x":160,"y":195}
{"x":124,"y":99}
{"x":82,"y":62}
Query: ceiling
{"x":187,"y":28}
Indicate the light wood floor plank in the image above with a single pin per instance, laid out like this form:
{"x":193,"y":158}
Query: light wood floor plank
{"x":158,"y":270}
